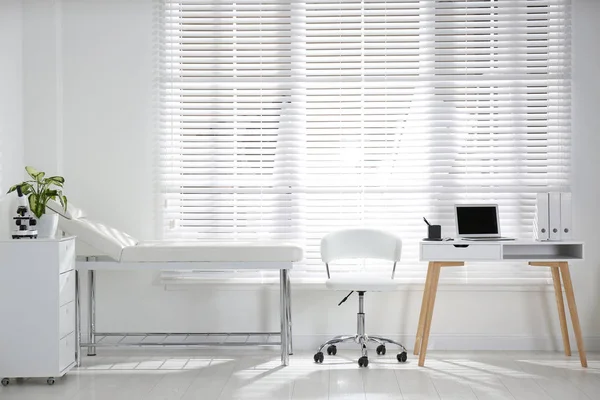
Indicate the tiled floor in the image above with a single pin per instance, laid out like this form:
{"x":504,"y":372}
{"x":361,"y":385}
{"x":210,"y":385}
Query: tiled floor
{"x":247,"y":374}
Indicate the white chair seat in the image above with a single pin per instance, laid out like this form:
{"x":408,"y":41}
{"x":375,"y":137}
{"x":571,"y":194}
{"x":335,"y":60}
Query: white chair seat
{"x":361,"y":282}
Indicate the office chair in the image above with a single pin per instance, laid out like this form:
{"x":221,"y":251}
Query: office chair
{"x":352,"y":244}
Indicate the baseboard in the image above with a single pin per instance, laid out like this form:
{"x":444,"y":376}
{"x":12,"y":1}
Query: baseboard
{"x":464,"y":342}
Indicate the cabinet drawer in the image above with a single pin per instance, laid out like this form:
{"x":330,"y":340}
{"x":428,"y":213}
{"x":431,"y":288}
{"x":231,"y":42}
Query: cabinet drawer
{"x":66,"y":319}
{"x":67,"y":255}
{"x":66,"y":288}
{"x":66,"y":352}
{"x":460,"y":252}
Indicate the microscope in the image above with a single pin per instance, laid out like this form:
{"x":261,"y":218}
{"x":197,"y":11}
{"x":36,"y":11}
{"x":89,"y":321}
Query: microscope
{"x":25,"y":222}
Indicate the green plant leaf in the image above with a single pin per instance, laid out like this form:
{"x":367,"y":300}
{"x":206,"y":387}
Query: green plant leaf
{"x":34,"y":205}
{"x":63,"y":201}
{"x":35,"y":174}
{"x":30,"y":183}
{"x":26,"y":188}
{"x":41,"y":210}
{"x":32,"y":172}
{"x":55,"y":184}
{"x":56,"y":180}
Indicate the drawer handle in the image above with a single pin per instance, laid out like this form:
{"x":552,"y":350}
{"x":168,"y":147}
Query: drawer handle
{"x":462,"y":246}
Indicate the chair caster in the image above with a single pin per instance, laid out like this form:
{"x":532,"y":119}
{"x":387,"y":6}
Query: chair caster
{"x":5,"y":381}
{"x":319,"y":357}
{"x":380,"y":350}
{"x":332,"y":350}
{"x":50,"y":381}
{"x":363,"y":361}
{"x":402,"y":357}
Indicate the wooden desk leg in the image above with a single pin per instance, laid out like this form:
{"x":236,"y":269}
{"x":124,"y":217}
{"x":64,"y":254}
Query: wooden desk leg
{"x":424,"y":304}
{"x":566,"y":276}
{"x":431,"y":302}
{"x":561,"y":309}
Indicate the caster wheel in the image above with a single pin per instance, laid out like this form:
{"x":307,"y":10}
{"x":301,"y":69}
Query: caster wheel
{"x":402,"y":357}
{"x":332,"y":350}
{"x":380,"y":350}
{"x":319,"y":357}
{"x":50,"y":381}
{"x":363,"y":361}
{"x":5,"y":382}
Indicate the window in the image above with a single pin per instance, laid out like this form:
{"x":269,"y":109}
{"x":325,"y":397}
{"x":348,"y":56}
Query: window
{"x":288,"y":119}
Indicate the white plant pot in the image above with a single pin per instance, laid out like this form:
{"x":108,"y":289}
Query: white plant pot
{"x":47,"y":226}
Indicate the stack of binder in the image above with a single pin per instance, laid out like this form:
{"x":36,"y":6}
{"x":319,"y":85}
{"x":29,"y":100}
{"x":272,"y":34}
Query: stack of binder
{"x":553,"y":217}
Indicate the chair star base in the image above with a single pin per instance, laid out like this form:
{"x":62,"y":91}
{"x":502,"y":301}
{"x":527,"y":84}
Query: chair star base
{"x":361,"y":338}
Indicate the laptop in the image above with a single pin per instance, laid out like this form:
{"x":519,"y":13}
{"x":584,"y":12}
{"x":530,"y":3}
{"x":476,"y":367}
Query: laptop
{"x":478,"y":222}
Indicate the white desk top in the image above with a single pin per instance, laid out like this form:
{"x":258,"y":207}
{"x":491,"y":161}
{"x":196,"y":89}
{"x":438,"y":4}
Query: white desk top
{"x":518,"y":242}
{"x":504,"y":250}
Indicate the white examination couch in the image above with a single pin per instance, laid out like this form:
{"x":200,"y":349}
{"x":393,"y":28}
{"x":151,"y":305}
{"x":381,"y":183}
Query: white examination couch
{"x":104,"y":248}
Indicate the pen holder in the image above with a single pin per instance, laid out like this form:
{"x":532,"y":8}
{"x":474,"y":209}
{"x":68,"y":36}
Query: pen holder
{"x":434,"y":232}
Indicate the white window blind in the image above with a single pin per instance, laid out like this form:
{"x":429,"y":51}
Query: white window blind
{"x":288,"y":119}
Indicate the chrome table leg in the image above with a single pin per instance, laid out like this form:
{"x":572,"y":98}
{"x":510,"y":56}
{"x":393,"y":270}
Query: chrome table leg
{"x":78,"y":318}
{"x":91,"y":311}
{"x":285,"y":357}
{"x":289,"y":312}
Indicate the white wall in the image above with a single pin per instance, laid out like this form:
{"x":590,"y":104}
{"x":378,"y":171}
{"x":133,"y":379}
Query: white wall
{"x":11,"y":103}
{"x":108,"y":61}
{"x":585,"y":160}
{"x":42,"y":84}
{"x":105,"y":88}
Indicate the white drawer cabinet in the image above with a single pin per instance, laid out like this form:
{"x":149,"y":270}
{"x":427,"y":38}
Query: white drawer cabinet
{"x":38,"y":312}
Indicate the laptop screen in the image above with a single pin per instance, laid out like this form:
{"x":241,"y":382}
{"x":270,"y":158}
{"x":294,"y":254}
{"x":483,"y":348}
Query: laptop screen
{"x":477,"y":220}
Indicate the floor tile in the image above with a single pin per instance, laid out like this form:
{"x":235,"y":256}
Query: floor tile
{"x":213,"y":374}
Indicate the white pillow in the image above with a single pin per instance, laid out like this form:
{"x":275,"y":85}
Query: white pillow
{"x":72,"y":212}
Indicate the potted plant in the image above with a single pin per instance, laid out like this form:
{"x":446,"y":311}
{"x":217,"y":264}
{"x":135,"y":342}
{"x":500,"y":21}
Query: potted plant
{"x":39,"y":191}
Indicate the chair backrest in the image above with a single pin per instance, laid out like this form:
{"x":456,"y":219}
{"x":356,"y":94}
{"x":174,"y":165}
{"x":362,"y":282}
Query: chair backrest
{"x":361,"y":243}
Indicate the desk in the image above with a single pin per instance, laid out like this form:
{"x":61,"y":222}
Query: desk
{"x":555,"y":255}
